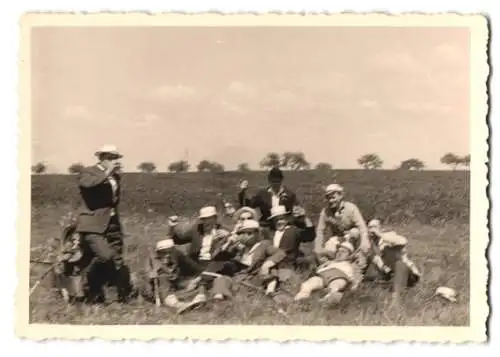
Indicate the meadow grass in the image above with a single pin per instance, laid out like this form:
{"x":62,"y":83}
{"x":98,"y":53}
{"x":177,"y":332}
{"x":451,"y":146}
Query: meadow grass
{"x":430,"y":208}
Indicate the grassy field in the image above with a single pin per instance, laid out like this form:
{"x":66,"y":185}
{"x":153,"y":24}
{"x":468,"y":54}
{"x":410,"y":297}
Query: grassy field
{"x":430,"y":208}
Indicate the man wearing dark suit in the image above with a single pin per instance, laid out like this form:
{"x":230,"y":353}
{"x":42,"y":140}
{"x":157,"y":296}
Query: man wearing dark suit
{"x":287,"y":237}
{"x":99,"y":225}
{"x":276,"y":194}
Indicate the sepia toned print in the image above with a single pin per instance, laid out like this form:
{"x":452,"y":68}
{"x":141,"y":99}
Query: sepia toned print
{"x":253,"y":177}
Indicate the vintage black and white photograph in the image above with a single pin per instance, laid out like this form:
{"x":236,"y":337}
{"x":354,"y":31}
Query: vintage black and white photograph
{"x":287,"y":170}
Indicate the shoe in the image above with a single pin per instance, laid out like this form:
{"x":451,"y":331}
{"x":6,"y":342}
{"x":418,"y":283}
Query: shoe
{"x":332,"y":298}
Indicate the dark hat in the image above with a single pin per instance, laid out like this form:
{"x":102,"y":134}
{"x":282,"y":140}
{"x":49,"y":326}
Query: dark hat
{"x":275,"y":174}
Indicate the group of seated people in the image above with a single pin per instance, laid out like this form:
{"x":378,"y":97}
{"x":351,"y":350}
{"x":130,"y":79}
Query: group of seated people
{"x":209,"y":257}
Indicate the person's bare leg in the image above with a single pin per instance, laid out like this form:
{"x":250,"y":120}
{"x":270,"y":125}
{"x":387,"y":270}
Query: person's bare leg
{"x":335,"y":293}
{"x":308,"y":287}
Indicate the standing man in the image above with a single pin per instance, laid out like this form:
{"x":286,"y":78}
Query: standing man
{"x":340,"y":217}
{"x":100,"y":228}
{"x":274,"y":195}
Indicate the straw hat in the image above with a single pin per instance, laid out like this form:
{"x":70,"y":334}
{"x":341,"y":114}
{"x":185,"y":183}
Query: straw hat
{"x":208,"y":211}
{"x":249,"y":225}
{"x":447,"y":293}
{"x":240,"y":211}
{"x":278,"y":211}
{"x":109,"y":150}
{"x":164,"y":244}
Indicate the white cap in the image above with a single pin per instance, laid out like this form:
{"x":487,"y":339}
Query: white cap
{"x":278,"y":211}
{"x":332,"y":244}
{"x":207,"y":212}
{"x":164,"y":244}
{"x":448,"y":293}
{"x":108,"y":149}
{"x":333,"y":188}
{"x":353,"y":233}
{"x":374,"y":223}
{"x":249,"y":225}
{"x":173,"y":220}
{"x":348,"y":246}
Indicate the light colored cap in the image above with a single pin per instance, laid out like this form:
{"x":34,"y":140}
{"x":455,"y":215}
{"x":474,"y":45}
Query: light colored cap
{"x":249,"y":225}
{"x":332,"y":244}
{"x":248,"y":210}
{"x":333,"y":188}
{"x":447,"y":293}
{"x":353,"y":233}
{"x":278,"y":211}
{"x":108,"y":149}
{"x":374,"y":223}
{"x":173,"y":220}
{"x":348,"y":246}
{"x":164,"y":244}
{"x":208,"y":211}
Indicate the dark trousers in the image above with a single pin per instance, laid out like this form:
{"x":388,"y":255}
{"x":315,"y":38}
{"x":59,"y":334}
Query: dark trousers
{"x":107,"y":267}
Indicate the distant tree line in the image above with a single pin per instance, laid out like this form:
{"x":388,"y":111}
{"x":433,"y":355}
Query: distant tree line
{"x":290,"y":160}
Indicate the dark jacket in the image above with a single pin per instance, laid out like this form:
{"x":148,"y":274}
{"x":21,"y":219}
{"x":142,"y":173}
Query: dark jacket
{"x":263,"y":201}
{"x":97,"y":200}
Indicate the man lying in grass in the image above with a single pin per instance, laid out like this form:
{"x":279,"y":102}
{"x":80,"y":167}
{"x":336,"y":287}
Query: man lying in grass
{"x":250,"y":260}
{"x":338,"y":273}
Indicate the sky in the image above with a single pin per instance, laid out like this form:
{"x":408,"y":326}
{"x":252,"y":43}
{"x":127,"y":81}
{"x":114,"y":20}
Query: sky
{"x":232,"y":95}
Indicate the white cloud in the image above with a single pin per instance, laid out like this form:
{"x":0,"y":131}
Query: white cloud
{"x":396,"y":60}
{"x":168,"y":92}
{"x":241,"y":88}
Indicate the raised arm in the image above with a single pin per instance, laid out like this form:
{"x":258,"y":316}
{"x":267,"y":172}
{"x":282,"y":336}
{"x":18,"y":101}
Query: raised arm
{"x":90,"y":178}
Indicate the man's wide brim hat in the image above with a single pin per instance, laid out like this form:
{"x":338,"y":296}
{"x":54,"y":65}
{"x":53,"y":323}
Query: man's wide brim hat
{"x":240,"y":211}
{"x":278,"y":211}
{"x":110,"y":150}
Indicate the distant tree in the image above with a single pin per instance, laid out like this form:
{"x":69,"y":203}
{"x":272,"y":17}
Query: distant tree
{"x":147,"y":167}
{"x":323,"y":166}
{"x":294,"y":161}
{"x":451,"y":159}
{"x":216,"y":167}
{"x":210,"y":166}
{"x":271,"y":160}
{"x":465,"y":161}
{"x":204,"y":166}
{"x":39,"y":168}
{"x":412,"y":164}
{"x":370,"y":161}
{"x":243,"y":167}
{"x":75,"y":168}
{"x":179,"y":166}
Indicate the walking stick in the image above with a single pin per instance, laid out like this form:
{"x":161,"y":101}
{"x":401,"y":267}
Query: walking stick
{"x":152,"y":265}
{"x":45,"y":273}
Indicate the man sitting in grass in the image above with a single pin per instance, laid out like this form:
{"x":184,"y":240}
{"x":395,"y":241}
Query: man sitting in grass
{"x":337,"y":273}
{"x":249,"y":256}
{"x":390,"y":258}
{"x":166,"y":271}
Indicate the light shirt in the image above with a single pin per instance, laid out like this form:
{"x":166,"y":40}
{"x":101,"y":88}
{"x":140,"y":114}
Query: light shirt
{"x":247,"y":258}
{"x":275,"y":197}
{"x":277,"y":238}
{"x":345,"y":218}
{"x":206,"y":245}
